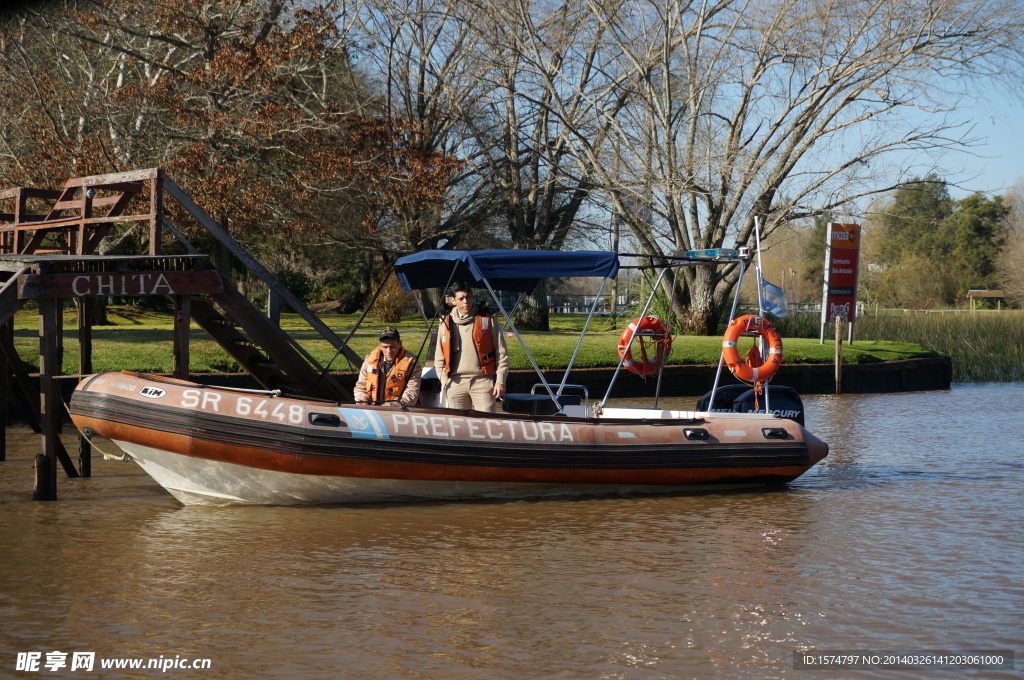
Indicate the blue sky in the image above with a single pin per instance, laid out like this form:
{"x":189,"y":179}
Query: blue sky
{"x":999,"y":160}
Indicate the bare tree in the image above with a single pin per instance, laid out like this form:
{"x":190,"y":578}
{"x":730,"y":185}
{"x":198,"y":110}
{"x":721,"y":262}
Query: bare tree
{"x":423,"y":57}
{"x":253,"y":106}
{"x":1010,"y":261}
{"x":778,"y":110}
{"x":485,"y":79}
{"x":687,"y":119}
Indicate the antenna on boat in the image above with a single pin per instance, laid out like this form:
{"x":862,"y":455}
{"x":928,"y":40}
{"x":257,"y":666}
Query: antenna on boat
{"x":760,"y":274}
{"x":763,"y":342}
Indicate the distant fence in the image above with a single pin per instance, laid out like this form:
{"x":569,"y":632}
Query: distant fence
{"x":864,"y":309}
{"x":896,"y":311}
{"x":581,"y":304}
{"x":799,"y":308}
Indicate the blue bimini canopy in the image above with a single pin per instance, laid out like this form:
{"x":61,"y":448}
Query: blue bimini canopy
{"x":512,"y":270}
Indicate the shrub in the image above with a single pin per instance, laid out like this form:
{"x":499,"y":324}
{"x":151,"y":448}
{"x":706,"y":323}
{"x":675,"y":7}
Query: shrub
{"x":392,"y":302}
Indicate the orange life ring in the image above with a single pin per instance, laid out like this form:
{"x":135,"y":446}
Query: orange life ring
{"x":647,"y":327}
{"x":756,"y":326}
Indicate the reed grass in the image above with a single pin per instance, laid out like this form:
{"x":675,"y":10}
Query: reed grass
{"x":984,"y":346}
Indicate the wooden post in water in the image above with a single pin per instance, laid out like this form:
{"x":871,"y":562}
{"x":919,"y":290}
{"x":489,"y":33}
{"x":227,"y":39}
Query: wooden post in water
{"x":839,"y":355}
{"x":45,"y":479}
{"x":85,"y":311}
{"x":50,"y":351}
{"x":5,"y":386}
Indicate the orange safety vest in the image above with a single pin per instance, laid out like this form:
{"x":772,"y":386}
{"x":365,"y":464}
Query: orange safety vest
{"x":483,"y":341}
{"x":394,"y":382}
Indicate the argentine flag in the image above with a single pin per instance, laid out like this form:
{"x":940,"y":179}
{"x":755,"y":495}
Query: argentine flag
{"x":773,"y":298}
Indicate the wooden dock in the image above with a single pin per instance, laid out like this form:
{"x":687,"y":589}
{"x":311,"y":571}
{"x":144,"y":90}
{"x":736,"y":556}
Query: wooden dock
{"x":52,"y":245}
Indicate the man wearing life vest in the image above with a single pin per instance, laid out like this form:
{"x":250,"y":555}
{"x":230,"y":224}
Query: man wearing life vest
{"x":390,"y":375}
{"x":471,"y":355}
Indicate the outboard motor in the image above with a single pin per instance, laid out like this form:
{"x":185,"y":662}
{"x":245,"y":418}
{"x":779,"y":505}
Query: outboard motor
{"x":783,"y":401}
{"x":725,"y":395}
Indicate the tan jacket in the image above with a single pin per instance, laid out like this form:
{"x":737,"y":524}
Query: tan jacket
{"x":401,"y":384}
{"x":480,"y":331}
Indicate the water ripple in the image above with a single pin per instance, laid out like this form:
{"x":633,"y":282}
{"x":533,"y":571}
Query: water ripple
{"x":906,"y":537}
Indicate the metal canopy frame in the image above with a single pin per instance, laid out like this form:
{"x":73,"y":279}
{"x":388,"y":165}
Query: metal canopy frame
{"x":740,"y":259}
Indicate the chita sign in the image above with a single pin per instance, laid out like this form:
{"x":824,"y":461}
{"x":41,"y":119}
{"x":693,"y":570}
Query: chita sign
{"x":154,"y":283}
{"x":124,"y":284}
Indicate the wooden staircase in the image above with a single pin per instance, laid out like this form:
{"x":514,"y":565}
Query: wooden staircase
{"x":263,"y":349}
{"x":73,"y":221}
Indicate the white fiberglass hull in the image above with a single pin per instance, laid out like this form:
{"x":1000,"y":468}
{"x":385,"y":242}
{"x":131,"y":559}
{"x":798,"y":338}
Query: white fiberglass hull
{"x":197,"y":481}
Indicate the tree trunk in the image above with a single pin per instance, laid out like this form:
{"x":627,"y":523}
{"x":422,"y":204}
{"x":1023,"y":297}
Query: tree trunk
{"x":532,"y":314}
{"x":433,"y":302}
{"x":701,"y":310}
{"x":357,"y":299}
{"x":99,"y":311}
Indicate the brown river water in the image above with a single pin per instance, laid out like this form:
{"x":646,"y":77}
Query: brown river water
{"x":909,"y":537}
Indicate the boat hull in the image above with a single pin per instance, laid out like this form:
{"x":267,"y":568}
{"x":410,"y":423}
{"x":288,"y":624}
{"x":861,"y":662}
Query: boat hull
{"x":215,"y":446}
{"x":189,"y":480}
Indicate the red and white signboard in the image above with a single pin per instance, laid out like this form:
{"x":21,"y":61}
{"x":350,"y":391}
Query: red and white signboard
{"x":840,"y":291}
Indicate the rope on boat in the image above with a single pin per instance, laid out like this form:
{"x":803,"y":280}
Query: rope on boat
{"x":245,"y":390}
{"x":89,"y":435}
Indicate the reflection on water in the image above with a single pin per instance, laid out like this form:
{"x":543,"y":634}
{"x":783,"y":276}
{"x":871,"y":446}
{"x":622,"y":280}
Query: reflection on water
{"x":908,"y":536}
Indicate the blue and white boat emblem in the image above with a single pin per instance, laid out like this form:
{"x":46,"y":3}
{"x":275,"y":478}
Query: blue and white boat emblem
{"x":366,"y":424}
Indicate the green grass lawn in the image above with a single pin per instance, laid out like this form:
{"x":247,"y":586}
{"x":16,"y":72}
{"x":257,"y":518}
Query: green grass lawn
{"x":141,"y":341}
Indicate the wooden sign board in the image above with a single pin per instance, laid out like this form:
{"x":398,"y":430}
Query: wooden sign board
{"x":122,"y":284}
{"x":839,"y":298}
